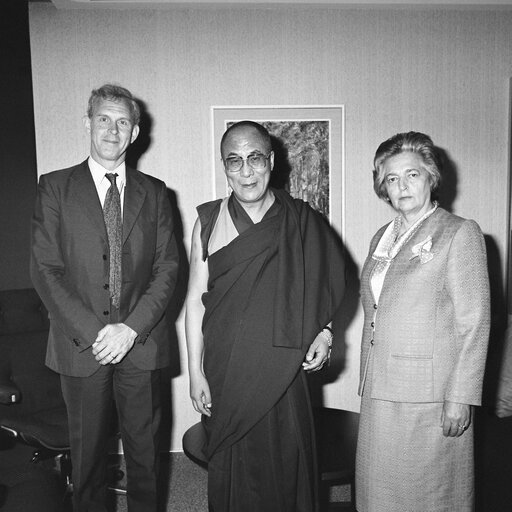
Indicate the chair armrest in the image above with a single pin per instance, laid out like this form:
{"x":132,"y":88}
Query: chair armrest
{"x":9,"y":393}
{"x":48,"y":428}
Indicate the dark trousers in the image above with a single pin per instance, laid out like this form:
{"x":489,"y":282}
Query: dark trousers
{"x":89,"y":405}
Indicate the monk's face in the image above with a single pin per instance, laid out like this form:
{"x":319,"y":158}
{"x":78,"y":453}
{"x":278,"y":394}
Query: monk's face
{"x":248,"y":162}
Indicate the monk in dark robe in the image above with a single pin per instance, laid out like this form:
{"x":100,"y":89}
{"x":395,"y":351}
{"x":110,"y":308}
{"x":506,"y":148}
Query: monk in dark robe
{"x":267,"y":276}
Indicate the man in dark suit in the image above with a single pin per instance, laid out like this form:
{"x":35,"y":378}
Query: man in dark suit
{"x":104,"y":261}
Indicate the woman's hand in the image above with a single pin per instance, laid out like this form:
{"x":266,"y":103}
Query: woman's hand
{"x":455,"y":418}
{"x":317,"y":354}
{"x":200,"y":394}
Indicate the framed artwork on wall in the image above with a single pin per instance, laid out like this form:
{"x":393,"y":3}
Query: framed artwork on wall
{"x":308,"y":145}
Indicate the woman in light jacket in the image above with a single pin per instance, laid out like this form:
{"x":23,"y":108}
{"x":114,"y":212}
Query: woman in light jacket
{"x":425,"y":293}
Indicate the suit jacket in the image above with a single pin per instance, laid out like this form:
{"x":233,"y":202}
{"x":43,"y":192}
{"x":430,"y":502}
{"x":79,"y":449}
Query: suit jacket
{"x":70,"y":267}
{"x":429,"y":331}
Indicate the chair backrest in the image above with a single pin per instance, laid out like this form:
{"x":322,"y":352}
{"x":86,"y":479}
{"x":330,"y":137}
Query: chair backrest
{"x":23,"y":339}
{"x":22,"y":311}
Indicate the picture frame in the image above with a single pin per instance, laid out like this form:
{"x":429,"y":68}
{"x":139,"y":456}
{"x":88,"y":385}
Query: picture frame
{"x":309,"y":149}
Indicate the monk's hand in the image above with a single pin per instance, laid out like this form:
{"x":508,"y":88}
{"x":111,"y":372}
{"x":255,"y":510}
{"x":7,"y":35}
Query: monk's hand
{"x":317,"y":355}
{"x":113,"y":343}
{"x":455,"y":418}
{"x":200,"y":393}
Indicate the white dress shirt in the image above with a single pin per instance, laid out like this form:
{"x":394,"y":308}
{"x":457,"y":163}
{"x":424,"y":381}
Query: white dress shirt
{"x":102,"y":183}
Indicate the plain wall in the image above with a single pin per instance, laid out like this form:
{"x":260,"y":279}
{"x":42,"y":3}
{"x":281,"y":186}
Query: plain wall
{"x":441,"y":71}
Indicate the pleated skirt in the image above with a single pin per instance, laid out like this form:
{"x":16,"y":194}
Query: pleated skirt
{"x":405,"y":464}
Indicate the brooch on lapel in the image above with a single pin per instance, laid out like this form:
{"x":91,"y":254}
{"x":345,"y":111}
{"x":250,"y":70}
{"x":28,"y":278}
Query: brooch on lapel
{"x":422,"y":250}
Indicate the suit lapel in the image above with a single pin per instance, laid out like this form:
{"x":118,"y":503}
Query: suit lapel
{"x":85,"y":194}
{"x":134,"y":196}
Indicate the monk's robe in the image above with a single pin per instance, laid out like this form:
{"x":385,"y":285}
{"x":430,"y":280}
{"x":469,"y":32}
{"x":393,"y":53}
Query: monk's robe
{"x":271,"y":290}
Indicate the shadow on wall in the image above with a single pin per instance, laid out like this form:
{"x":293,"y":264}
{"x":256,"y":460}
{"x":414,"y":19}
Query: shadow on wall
{"x":493,"y":435}
{"x":346,"y":313}
{"x":493,"y":439}
{"x":173,"y":311}
{"x":135,"y":152}
{"x":18,"y":170}
{"x":341,"y":322}
{"x":449,"y":180}
{"x":282,"y":168}
{"x":143,"y":142}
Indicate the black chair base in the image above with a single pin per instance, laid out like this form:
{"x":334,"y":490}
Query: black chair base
{"x":116,"y":476}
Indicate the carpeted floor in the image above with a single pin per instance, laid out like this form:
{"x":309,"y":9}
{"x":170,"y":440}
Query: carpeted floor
{"x":37,"y":487}
{"x":186,"y":488}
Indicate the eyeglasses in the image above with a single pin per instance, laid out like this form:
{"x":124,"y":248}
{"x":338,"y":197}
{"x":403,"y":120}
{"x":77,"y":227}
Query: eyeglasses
{"x":256,"y":161}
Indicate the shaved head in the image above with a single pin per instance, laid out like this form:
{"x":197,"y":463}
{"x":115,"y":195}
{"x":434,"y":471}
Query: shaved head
{"x":246,"y":127}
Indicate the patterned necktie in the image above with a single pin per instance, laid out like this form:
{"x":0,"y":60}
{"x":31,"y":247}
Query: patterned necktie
{"x":113,"y":223}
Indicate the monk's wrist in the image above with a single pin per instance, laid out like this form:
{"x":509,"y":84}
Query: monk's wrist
{"x":326,"y":333}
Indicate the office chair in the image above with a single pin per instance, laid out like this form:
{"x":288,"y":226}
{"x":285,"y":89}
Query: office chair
{"x":32,"y":408}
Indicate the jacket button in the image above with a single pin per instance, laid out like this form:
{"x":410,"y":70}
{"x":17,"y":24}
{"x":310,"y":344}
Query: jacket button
{"x":375,"y":306}
{"x":371,"y":342}
{"x":373,"y":324}
{"x":104,"y":257}
{"x":105,"y":286}
{"x":105,"y":313}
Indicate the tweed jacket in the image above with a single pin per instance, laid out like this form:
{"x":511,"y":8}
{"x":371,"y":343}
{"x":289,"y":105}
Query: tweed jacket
{"x":70,"y":267}
{"x":429,"y":331}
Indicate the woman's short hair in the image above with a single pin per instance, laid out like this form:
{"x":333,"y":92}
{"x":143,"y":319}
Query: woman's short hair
{"x":114,"y":92}
{"x":415,"y":142}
